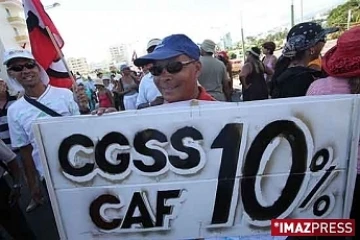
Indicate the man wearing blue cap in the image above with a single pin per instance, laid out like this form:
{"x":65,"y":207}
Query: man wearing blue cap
{"x":176,"y":68}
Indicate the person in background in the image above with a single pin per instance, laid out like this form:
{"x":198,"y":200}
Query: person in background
{"x":213,"y":77}
{"x":176,"y":68}
{"x":81,"y":87}
{"x":342,"y":64}
{"x":104,"y":95}
{"x":107,"y":82}
{"x":99,"y":75}
{"x":252,"y":77}
{"x":128,"y":88}
{"x":5,"y":102}
{"x":91,"y":92}
{"x":292,"y":75}
{"x":149,"y":94}
{"x":269,"y":59}
{"x":223,"y":57}
{"x":12,"y":218}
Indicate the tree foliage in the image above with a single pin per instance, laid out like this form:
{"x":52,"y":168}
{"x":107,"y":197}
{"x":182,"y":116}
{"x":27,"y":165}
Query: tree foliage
{"x":339,"y":16}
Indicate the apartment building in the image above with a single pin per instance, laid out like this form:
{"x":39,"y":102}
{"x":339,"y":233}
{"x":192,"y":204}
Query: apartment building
{"x":119,"y":53}
{"x":13,"y":27}
{"x":78,"y":65}
{"x":13,"y":30}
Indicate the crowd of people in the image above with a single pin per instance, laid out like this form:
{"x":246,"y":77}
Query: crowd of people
{"x":174,"y":69}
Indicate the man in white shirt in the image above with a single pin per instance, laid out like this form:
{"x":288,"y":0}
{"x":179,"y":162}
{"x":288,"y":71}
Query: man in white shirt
{"x":34,"y":81}
{"x":148,"y":92}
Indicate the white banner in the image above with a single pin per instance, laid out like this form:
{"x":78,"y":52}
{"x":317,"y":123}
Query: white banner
{"x":203,"y":170}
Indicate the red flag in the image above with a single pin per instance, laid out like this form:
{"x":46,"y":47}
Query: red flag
{"x":42,"y":47}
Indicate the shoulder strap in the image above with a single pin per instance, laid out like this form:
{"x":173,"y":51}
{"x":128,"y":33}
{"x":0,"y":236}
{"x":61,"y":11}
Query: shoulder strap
{"x":42,"y":107}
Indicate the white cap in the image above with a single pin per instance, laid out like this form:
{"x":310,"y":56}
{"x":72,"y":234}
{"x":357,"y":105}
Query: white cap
{"x":17,"y":53}
{"x":12,"y":83}
{"x":153,"y":42}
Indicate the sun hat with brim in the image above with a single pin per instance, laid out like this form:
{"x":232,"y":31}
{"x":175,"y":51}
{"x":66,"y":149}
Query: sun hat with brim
{"x":208,"y":46}
{"x":172,"y":46}
{"x":153,"y":42}
{"x":98,"y":82}
{"x":124,"y":67}
{"x":13,"y":54}
{"x":343,"y":60}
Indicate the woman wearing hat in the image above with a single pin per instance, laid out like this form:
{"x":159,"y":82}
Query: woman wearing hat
{"x":269,"y":60}
{"x":292,"y":76}
{"x":104,"y":95}
{"x":342,"y":64}
{"x":252,"y":77}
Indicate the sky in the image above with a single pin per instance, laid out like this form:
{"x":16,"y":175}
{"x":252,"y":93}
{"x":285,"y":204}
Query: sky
{"x":89,"y":27}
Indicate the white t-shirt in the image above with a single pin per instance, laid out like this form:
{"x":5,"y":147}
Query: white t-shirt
{"x":147,"y":90}
{"x":22,"y":114}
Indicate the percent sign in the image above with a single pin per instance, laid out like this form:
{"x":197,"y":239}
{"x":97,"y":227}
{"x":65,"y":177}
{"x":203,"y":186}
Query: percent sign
{"x":315,"y":166}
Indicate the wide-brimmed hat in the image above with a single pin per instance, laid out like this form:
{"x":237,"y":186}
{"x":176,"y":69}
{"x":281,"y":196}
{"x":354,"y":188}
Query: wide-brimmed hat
{"x":208,"y":46}
{"x":343,"y":60}
{"x":124,"y":67}
{"x":153,"y":43}
{"x":99,"y":82}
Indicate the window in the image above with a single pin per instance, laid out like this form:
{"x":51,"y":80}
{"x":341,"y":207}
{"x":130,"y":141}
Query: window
{"x":16,"y":32}
{"x":8,"y":12}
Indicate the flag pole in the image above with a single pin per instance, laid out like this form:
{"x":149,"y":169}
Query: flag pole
{"x":61,"y":55}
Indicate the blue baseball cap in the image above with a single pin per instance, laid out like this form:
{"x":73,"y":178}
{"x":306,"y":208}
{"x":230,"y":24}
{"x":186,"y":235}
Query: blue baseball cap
{"x":171,"y":46}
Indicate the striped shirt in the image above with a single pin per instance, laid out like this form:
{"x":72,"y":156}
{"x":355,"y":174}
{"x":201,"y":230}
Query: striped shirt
{"x":4,"y":127}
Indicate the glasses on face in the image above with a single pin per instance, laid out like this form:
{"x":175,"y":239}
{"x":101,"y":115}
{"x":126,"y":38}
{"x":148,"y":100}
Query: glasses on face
{"x":19,"y":68}
{"x":171,"y":67}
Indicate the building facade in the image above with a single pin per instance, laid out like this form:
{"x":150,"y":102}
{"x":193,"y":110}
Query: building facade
{"x":119,"y":53}
{"x":79,"y":65}
{"x":13,"y":27}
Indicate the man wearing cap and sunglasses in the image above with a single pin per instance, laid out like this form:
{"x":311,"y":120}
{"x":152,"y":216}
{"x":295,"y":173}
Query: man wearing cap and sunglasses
{"x":176,"y":68}
{"x":40,"y":100}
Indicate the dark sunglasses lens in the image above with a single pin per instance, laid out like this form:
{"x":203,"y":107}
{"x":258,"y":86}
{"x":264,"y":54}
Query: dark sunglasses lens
{"x":30,"y":65}
{"x":174,"y":67}
{"x":156,"y":70}
{"x":19,"y":68}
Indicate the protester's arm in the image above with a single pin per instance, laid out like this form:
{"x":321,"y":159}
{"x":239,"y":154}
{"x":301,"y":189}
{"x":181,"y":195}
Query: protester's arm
{"x":245,"y":71}
{"x":158,"y":101}
{"x":31,"y":173}
{"x":9,"y":158}
{"x":19,"y":139}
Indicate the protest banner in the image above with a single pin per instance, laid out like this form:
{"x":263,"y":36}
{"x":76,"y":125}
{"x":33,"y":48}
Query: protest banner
{"x":185,"y":171}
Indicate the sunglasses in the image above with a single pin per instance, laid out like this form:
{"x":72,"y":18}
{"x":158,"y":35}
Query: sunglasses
{"x":171,"y":67}
{"x":19,"y":68}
